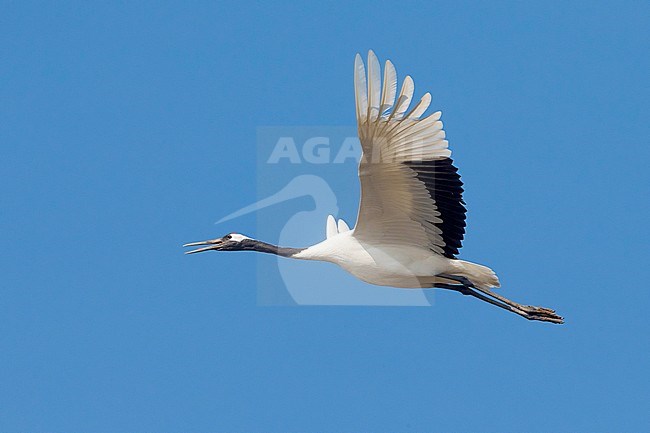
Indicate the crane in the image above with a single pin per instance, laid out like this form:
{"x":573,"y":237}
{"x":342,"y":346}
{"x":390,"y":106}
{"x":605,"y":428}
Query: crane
{"x":411,"y":218}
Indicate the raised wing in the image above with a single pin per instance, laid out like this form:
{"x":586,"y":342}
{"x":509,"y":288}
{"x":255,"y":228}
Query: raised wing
{"x":411,"y":193}
{"x":330,"y":228}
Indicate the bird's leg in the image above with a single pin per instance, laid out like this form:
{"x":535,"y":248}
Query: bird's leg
{"x":528,"y":308}
{"x":469,"y":291}
{"x":466,"y":287}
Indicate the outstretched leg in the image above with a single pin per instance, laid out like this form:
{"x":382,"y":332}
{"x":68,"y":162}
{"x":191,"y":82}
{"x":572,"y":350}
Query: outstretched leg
{"x":466,"y":287}
{"x":527,"y":308}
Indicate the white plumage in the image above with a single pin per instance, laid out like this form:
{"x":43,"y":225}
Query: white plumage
{"x":398,"y":239}
{"x":411,"y":219}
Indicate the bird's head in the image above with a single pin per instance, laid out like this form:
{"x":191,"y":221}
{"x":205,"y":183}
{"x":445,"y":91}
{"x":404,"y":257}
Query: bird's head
{"x":230,"y":242}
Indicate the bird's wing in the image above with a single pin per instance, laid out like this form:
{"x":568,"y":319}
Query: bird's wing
{"x":411,"y":193}
{"x":330,"y":228}
{"x":343,"y":227}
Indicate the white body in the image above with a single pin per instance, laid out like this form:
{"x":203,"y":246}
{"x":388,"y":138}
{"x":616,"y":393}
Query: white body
{"x":393,"y":265}
{"x":383,"y":265}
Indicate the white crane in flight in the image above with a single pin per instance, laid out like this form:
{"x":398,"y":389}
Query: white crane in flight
{"x":411,"y":219}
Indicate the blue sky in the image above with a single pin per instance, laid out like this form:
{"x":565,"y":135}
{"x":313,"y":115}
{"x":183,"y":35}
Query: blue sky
{"x":128,"y":129}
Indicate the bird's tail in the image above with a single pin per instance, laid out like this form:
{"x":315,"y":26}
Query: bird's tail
{"x":481,"y":276}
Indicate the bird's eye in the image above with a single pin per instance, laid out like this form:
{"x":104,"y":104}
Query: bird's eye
{"x":227,"y":237}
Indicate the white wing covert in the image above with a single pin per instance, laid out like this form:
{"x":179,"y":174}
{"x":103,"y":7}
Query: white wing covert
{"x":330,"y":227}
{"x":343,"y":227}
{"x":411,"y":193}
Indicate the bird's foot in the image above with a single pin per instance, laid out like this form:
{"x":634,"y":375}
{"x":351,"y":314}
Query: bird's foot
{"x":541,"y":314}
{"x":530,"y":309}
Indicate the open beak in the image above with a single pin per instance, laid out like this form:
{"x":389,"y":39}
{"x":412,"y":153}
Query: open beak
{"x":213,"y":244}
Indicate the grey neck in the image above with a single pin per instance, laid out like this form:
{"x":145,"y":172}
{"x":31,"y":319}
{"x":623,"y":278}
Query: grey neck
{"x":263,"y":247}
